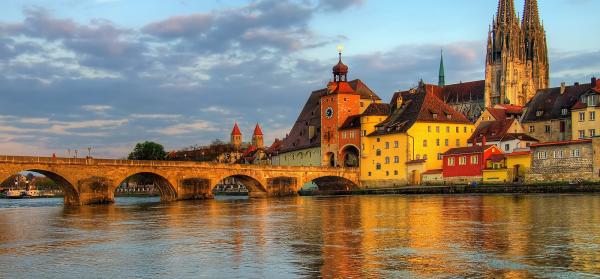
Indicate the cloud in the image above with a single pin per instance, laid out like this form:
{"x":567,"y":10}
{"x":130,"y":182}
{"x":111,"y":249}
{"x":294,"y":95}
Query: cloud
{"x":339,"y":5}
{"x":195,"y":126}
{"x":97,"y":108}
{"x":155,"y":116}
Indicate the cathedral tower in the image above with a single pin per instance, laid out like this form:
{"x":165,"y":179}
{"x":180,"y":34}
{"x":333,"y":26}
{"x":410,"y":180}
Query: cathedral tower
{"x":516,"y":61}
{"x":236,"y":136}
{"x":257,"y":137}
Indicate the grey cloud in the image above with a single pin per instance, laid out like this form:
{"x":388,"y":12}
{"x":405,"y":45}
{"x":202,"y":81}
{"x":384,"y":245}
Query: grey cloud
{"x":338,"y":5}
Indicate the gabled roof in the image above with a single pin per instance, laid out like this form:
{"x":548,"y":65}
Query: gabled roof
{"x":377,"y":109}
{"x":362,"y":89}
{"x":275,"y":147}
{"x":309,"y":116}
{"x":550,"y":103}
{"x":468,"y":150}
{"x":519,"y":136}
{"x":421,"y":105}
{"x":492,"y":130}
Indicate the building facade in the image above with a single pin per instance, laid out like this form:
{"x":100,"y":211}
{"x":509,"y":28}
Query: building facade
{"x":517,"y":57}
{"x":466,"y":164}
{"x":565,"y":161}
{"x":585,"y":112}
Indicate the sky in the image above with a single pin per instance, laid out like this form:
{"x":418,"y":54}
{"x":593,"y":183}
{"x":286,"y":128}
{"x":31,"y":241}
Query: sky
{"x":107,"y":74}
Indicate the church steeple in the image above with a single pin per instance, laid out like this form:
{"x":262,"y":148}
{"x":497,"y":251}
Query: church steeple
{"x":442,"y":75}
{"x":536,"y":50}
{"x":340,"y":70}
{"x":506,"y":12}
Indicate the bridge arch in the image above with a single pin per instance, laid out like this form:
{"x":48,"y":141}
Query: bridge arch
{"x":254,"y":185}
{"x":165,"y":187}
{"x":333,"y":183}
{"x":70,"y":193}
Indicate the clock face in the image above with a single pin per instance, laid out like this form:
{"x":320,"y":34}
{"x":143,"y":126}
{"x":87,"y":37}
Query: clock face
{"x":329,"y":112}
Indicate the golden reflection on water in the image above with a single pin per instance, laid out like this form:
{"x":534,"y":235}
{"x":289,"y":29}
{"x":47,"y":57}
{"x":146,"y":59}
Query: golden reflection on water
{"x":500,"y":236}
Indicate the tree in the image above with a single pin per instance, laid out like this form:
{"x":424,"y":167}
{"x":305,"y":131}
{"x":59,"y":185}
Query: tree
{"x":147,"y":150}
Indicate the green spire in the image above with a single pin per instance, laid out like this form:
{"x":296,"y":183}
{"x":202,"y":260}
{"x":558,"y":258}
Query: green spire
{"x":442,"y":78}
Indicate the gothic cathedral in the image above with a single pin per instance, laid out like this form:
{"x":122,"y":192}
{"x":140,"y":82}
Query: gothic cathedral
{"x":517,"y":56}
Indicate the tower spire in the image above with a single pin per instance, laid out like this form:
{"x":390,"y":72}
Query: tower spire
{"x":531,"y":15}
{"x":506,"y":11}
{"x":442,"y":75}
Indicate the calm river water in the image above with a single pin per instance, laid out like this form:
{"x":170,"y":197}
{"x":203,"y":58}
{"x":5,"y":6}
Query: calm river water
{"x":500,"y":236}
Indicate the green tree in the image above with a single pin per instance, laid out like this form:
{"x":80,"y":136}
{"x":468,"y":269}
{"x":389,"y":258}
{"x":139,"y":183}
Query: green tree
{"x":147,"y":150}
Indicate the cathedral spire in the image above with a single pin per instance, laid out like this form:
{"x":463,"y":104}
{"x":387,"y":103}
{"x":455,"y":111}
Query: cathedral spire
{"x":531,"y":15}
{"x":506,"y":11}
{"x":442,"y":75}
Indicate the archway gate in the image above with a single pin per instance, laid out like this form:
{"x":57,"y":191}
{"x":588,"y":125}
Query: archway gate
{"x":91,"y":181}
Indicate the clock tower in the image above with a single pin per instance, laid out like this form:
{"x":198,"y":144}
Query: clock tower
{"x":339,"y":103}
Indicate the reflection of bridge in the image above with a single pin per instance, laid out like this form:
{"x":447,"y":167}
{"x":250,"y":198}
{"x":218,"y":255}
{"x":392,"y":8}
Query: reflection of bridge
{"x":89,"y":181}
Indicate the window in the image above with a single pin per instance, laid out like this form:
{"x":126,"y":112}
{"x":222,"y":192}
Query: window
{"x":369,"y":173}
{"x":429,"y":129}
{"x":541,"y":155}
{"x":465,"y":129}
{"x":364,"y":133}
{"x":449,"y":116}
{"x":424,"y":143}
{"x":592,"y":115}
{"x":592,"y":133}
{"x":435,"y":116}
{"x":539,"y":113}
{"x":378,"y":166}
{"x":547,"y":128}
{"x":531,"y":129}
{"x":557,"y":154}
{"x":507,"y":147}
{"x":396,"y":159}
{"x":457,"y":142}
{"x":387,"y":160}
{"x":378,"y":139}
{"x":424,"y":156}
{"x":378,"y":152}
{"x":451,"y":161}
{"x":395,"y":172}
{"x":575,"y":153}
{"x":457,"y":130}
{"x":387,"y":145}
{"x":437,"y":142}
{"x":446,"y":142}
{"x":437,"y":129}
{"x":447,"y":129}
{"x":474,"y":160}
{"x":343,"y":135}
{"x":396,"y":144}
{"x":564,"y":111}
{"x":581,"y":116}
{"x":462,"y":160}
{"x":387,"y":173}
{"x":418,"y":157}
{"x":581,"y":134}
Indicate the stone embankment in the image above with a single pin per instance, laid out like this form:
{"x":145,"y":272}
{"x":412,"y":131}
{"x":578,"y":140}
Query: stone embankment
{"x":464,"y":189}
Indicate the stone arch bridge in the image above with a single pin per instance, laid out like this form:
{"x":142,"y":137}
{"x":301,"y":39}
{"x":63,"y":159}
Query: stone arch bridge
{"x":91,"y":181}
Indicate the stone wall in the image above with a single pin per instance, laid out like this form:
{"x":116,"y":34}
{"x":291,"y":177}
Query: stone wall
{"x":565,"y":169}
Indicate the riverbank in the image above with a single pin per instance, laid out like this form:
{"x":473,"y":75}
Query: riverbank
{"x":463,"y":189}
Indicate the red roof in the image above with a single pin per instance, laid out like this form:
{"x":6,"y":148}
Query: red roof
{"x":512,"y":109}
{"x":567,"y":142}
{"x":236,"y":130}
{"x":497,"y":158}
{"x":492,"y":130}
{"x":275,"y":146}
{"x":519,"y":153}
{"x":467,"y":150}
{"x":257,"y":130}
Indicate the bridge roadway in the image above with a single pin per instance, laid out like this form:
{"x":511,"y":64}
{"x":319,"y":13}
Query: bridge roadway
{"x":92,"y":181}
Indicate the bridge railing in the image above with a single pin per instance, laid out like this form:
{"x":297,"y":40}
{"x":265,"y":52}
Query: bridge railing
{"x":150,"y":163}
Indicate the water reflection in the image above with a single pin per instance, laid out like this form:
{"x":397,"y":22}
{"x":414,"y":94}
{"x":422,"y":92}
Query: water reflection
{"x":503,"y":236}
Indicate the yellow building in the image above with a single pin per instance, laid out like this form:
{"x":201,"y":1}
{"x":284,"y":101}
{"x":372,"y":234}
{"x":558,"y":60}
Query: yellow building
{"x":406,"y":138}
{"x":512,"y":168}
{"x":584,"y":115}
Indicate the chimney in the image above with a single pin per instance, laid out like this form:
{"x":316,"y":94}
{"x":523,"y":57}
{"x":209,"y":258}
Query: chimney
{"x":483,"y":141}
{"x":595,"y":82}
{"x":562,"y":87}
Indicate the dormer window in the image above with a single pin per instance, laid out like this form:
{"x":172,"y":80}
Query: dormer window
{"x":435,"y":116}
{"x":564,"y":111}
{"x":449,"y":116}
{"x":539,"y":113}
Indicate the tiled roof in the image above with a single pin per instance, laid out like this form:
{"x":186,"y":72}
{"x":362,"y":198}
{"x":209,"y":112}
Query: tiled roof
{"x":520,"y":136}
{"x":362,"y":89}
{"x":236,"y":130}
{"x":352,"y":122}
{"x":492,"y":130}
{"x":550,"y":102}
{"x":512,"y":109}
{"x":419,"y":104}
{"x":377,"y":109}
{"x":567,"y":142}
{"x":518,"y":153}
{"x":461,"y":92}
{"x":467,"y":150}
{"x":275,"y":147}
{"x":497,"y":158}
{"x":309,"y":116}
{"x":257,"y":130}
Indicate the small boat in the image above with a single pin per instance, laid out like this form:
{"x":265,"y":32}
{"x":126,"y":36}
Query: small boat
{"x":14,"y":194}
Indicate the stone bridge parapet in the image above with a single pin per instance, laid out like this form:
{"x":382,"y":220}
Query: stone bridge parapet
{"x":89,"y":181}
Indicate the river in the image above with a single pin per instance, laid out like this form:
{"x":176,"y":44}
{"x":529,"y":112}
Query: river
{"x":438,"y":236}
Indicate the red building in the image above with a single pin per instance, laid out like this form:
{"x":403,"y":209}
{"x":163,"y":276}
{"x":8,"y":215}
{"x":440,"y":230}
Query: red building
{"x":467,"y":163}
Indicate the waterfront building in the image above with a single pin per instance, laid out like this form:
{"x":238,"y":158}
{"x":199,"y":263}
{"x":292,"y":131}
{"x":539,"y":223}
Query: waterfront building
{"x":547,"y":116}
{"x":584,"y":113}
{"x":501,"y":127}
{"x":399,"y":147}
{"x":517,"y":57}
{"x":565,"y":161}
{"x":466,"y":164}
{"x":509,"y":168}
